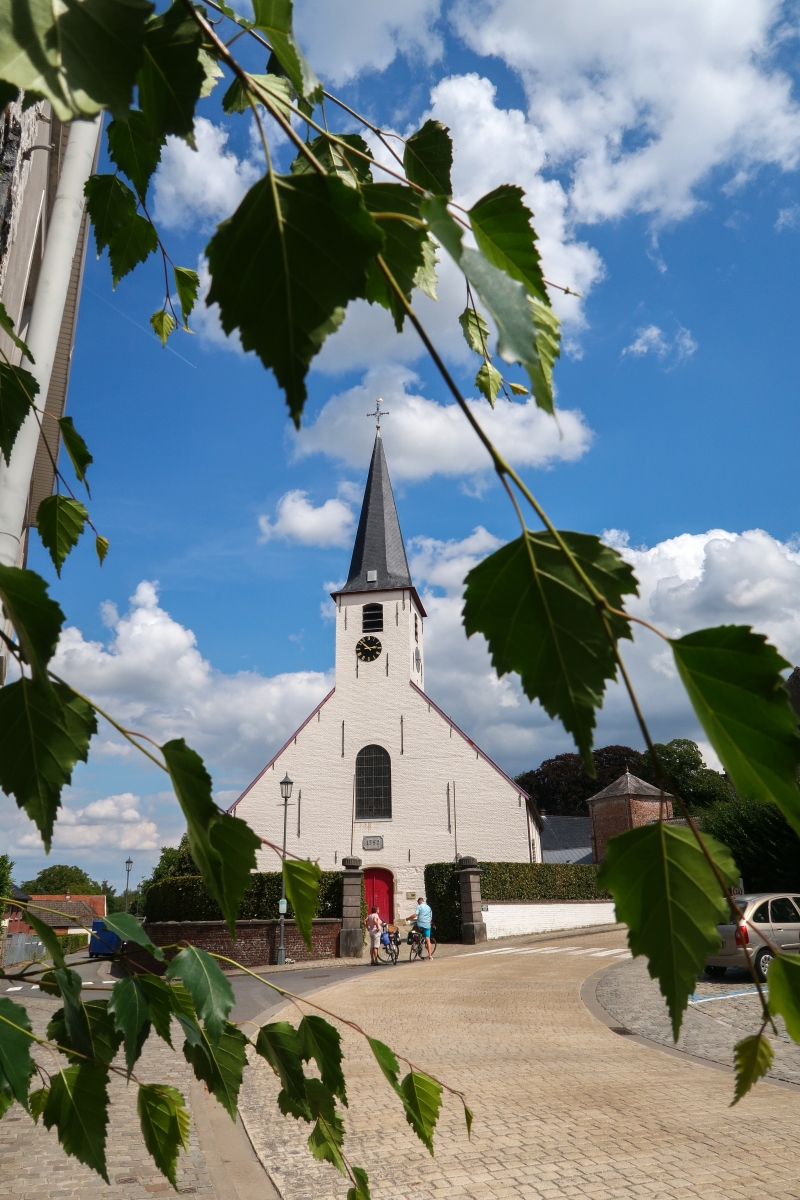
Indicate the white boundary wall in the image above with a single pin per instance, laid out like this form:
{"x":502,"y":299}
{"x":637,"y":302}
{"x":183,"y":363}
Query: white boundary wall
{"x":506,"y":920}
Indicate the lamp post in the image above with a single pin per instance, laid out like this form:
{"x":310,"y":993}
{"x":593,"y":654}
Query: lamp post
{"x":128,"y":865}
{"x":286,"y":791}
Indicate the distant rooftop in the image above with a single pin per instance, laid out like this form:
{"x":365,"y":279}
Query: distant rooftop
{"x":566,"y":839}
{"x":629,"y":785}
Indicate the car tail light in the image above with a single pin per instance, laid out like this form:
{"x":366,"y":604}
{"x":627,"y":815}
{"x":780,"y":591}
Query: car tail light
{"x":742,"y":936}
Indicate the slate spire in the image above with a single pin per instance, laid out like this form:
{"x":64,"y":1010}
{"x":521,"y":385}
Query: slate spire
{"x":379,"y":545}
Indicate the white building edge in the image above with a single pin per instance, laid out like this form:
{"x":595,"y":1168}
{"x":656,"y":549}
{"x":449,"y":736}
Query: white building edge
{"x":379,"y":770}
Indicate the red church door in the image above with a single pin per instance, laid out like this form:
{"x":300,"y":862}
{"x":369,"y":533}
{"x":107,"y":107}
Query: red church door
{"x":379,"y":890}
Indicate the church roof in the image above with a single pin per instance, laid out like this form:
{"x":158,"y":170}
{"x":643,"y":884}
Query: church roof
{"x":378,"y":548}
{"x":628,"y":785}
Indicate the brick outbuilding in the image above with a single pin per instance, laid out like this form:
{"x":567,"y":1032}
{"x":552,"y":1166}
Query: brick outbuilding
{"x":624,"y":804}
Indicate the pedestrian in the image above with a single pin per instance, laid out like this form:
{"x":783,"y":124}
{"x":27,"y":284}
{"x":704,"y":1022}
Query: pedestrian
{"x":374,"y":926}
{"x":423,"y":916}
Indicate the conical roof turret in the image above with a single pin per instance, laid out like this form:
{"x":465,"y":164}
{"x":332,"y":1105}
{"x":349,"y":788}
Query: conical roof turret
{"x":379,"y":556}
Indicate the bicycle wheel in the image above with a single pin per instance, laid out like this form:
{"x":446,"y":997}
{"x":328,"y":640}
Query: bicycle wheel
{"x":415,"y":951}
{"x":385,"y":954}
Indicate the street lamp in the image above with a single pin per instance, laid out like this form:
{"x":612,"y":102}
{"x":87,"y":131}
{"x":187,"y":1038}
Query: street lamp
{"x":128,"y":865}
{"x":286,"y":791}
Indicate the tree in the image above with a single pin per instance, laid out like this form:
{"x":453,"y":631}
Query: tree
{"x":562,"y":785}
{"x":696,"y":784}
{"x":761,"y":840}
{"x":6,"y":867}
{"x":59,"y":879}
{"x":174,"y":860}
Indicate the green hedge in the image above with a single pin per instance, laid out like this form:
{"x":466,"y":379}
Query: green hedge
{"x":443,"y":895}
{"x":507,"y":881}
{"x":71,"y":942}
{"x":185,"y":898}
{"x":540,"y":881}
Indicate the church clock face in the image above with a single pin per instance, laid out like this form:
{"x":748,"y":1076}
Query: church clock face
{"x":368,"y":649}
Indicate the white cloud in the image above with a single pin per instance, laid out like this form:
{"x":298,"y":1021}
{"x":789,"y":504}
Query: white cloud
{"x":152,"y":675}
{"x":424,"y":437}
{"x":649,"y":340}
{"x":788,"y":218}
{"x":343,"y":38}
{"x":640,"y":102}
{"x":652,"y":340}
{"x":296,"y":520}
{"x":687,"y":582}
{"x":112,"y":822}
{"x":200,"y":187}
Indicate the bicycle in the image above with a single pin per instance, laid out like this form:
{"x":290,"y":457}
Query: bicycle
{"x":418,"y":945}
{"x":389,"y":949}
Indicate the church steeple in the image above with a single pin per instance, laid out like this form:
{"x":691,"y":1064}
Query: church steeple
{"x":379,"y":558}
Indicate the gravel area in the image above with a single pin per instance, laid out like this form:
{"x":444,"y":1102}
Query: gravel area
{"x":720,"y":1013}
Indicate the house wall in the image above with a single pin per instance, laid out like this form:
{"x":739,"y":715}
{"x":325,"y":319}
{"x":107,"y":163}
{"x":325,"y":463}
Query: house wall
{"x":446,"y":798}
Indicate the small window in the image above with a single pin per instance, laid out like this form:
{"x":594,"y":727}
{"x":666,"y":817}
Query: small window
{"x":416,"y":628}
{"x":761,"y":915}
{"x":373,"y":784}
{"x":783,"y":912}
{"x":372,"y":618}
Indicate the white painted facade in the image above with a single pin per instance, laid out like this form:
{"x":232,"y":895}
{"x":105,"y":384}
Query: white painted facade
{"x":448,"y":798}
{"x":512,"y":920}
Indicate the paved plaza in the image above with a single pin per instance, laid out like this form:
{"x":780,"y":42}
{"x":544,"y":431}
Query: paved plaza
{"x":564,"y":1107}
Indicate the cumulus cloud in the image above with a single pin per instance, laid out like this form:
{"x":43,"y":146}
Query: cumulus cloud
{"x":346,"y":37}
{"x":688,"y":582}
{"x":297,"y":520}
{"x":153,"y":676}
{"x":200,"y":187}
{"x":424,"y":437}
{"x":652,"y":340}
{"x":112,"y":822}
{"x":640,"y":102}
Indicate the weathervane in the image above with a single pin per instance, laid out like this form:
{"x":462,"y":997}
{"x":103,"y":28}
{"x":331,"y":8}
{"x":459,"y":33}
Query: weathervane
{"x":379,"y":414}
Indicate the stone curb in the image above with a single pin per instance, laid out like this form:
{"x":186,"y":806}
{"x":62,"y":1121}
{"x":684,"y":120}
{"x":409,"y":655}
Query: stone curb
{"x":590,"y":1001}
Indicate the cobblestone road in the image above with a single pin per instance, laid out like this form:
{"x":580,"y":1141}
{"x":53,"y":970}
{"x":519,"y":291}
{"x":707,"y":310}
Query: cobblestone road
{"x":720,"y":1014}
{"x":34,"y":1167}
{"x":563,"y":1106}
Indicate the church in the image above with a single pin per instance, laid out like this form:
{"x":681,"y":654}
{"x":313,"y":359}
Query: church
{"x":379,"y":771}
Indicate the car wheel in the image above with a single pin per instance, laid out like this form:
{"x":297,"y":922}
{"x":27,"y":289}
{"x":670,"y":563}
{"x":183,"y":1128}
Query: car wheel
{"x":715,"y":972}
{"x":763,"y":959}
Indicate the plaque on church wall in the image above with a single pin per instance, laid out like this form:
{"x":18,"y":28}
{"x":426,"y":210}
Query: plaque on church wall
{"x":372,"y":843}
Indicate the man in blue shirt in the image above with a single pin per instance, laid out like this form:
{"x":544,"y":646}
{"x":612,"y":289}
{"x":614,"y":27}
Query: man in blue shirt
{"x":424,"y":919}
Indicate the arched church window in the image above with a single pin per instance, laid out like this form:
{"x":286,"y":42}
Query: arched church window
{"x":372,"y":618}
{"x":373,"y":784}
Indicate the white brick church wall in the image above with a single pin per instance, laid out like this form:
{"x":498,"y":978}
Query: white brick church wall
{"x":375,"y":703}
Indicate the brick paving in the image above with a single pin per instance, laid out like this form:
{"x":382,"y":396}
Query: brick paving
{"x":563,"y":1106}
{"x":34,"y":1167}
{"x":710,"y":1029}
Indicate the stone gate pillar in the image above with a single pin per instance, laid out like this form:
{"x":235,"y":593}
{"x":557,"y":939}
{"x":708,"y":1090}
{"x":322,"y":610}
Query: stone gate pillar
{"x":473,"y":929}
{"x":351,"y":939}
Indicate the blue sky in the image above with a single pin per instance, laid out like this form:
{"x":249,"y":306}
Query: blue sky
{"x":658,"y":145}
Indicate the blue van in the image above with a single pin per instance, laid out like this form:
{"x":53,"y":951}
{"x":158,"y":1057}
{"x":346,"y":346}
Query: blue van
{"x":103,"y":942}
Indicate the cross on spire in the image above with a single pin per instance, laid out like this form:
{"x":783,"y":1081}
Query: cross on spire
{"x":379,"y":414}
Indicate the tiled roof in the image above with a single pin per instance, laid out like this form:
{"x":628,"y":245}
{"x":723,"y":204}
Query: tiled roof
{"x":565,"y":833}
{"x":76,"y":912}
{"x":628,"y":785}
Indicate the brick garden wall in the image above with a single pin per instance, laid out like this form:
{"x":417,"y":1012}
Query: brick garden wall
{"x":256,"y":942}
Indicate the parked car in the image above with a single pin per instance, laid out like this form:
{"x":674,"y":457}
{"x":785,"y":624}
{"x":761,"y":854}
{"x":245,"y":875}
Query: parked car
{"x":768,"y":915}
{"x":102,"y":942}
